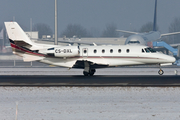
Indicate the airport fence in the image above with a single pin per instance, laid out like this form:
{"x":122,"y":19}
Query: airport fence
{"x":21,"y":63}
{"x":10,"y":60}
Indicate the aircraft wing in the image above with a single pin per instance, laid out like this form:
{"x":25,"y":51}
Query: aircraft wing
{"x":75,"y":42}
{"x":166,"y":34}
{"x":92,"y":64}
{"x":127,"y":31}
{"x":81,"y":42}
{"x":78,"y":42}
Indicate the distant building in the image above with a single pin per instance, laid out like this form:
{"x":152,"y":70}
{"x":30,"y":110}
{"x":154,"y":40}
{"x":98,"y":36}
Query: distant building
{"x":46,"y":37}
{"x":33,"y":34}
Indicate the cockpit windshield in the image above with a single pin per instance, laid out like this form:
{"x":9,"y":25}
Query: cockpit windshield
{"x":132,"y":42}
{"x":150,"y":50}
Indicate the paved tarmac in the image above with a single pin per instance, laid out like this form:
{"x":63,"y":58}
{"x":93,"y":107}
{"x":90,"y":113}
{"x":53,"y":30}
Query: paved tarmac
{"x":99,"y":80}
{"x":55,"y":76}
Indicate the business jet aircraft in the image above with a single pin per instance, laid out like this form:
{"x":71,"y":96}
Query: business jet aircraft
{"x":88,"y":58}
{"x":148,"y":37}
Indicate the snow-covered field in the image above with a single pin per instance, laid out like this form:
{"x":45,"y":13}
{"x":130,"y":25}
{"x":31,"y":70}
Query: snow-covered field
{"x":90,"y":103}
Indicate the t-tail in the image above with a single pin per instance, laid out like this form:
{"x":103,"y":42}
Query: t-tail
{"x":21,"y":43}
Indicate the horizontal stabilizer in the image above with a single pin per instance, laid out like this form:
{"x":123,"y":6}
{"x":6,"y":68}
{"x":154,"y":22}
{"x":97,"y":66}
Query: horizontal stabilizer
{"x":170,"y":34}
{"x":127,"y":31}
{"x":28,"y":58}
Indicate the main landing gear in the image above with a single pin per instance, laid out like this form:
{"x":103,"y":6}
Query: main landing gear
{"x":88,"y":71}
{"x":161,"y":72}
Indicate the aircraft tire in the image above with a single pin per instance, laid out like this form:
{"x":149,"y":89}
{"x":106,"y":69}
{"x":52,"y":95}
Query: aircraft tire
{"x":92,"y":71}
{"x":85,"y":73}
{"x":161,"y":72}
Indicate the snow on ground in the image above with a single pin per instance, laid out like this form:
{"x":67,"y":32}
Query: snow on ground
{"x":90,"y":103}
{"x":106,"y":71}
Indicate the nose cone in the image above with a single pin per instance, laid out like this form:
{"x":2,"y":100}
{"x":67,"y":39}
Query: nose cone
{"x":170,"y":59}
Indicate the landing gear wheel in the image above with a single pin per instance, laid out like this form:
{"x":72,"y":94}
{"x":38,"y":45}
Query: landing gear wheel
{"x":85,"y":73}
{"x":91,"y":72}
{"x":161,"y":72}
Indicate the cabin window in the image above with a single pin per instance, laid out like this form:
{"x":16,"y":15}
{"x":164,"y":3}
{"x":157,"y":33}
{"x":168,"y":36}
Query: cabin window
{"x":95,"y":51}
{"x":119,"y":51}
{"x":111,"y":51}
{"x":103,"y":51}
{"x":142,"y":50}
{"x":85,"y":51}
{"x":127,"y":50}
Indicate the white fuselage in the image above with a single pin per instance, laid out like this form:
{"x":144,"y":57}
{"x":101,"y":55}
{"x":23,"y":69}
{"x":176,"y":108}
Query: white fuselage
{"x":119,"y":55}
{"x":88,"y":58}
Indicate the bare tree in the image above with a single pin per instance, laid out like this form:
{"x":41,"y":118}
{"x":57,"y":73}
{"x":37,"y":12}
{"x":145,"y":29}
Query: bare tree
{"x":1,"y":41}
{"x":94,"y":32}
{"x":174,"y":27}
{"x":75,"y":30}
{"x":110,"y":31}
{"x":1,"y":27}
{"x":43,"y":29}
{"x":147,"y":27}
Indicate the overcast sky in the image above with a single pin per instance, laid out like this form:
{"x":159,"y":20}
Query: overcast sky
{"x":91,"y":14}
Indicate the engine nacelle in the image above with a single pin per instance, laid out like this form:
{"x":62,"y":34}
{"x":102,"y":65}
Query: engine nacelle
{"x":65,"y":51}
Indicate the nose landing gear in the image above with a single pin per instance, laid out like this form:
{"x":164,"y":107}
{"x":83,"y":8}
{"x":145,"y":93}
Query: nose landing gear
{"x":161,"y":72}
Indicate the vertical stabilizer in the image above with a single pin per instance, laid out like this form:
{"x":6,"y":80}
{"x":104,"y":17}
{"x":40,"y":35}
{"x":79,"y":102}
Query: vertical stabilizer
{"x":155,"y":17}
{"x":21,"y":44}
{"x":17,"y":36}
{"x":15,"y":32}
